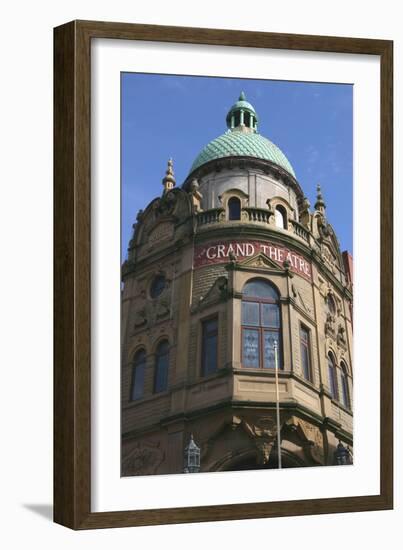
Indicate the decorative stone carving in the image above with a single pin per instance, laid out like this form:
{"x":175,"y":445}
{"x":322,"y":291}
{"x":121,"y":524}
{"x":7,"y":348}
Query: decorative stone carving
{"x":263,"y":427}
{"x":244,"y":216}
{"x":196,"y":196}
{"x":263,"y":430}
{"x":222,"y":216}
{"x":163,"y":231}
{"x":330,"y":325}
{"x":218,"y":292}
{"x":150,"y":311}
{"x":322,"y":286}
{"x":167,"y":203}
{"x":261,"y":261}
{"x":305,"y":216}
{"x":264,"y":449}
{"x":144,"y":459}
{"x":315,"y":437}
{"x":329,"y":258}
{"x":140,"y":318}
{"x":341,"y":337}
{"x":307,"y":436}
{"x":270,"y":207}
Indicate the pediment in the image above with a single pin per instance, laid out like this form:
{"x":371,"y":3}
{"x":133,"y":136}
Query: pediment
{"x":261,"y":261}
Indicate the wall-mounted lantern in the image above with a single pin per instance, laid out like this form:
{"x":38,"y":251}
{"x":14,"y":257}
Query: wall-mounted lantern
{"x":192,"y":457}
{"x":342,"y":455}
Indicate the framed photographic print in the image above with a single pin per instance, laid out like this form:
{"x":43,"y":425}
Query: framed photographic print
{"x":216,"y":355}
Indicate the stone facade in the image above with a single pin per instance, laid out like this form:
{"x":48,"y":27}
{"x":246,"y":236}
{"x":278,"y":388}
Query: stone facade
{"x":176,"y":277}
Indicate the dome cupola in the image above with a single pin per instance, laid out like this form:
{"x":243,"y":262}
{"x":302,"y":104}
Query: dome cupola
{"x":242,"y":140}
{"x":242,"y":115}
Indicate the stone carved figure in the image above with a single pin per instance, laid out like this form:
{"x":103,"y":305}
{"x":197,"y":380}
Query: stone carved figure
{"x":263,"y":431}
{"x":329,"y":325}
{"x":341,"y":337}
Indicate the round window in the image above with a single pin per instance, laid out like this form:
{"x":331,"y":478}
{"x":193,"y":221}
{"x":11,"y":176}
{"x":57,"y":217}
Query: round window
{"x":157,"y":286}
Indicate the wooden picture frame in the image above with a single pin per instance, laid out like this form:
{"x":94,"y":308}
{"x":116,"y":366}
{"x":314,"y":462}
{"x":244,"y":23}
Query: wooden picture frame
{"x":72,"y":271}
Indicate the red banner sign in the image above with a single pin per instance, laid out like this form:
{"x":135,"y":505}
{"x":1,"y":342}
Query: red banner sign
{"x":224,"y":251}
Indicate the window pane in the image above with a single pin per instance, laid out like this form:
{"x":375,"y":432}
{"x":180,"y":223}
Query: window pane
{"x":161,"y":367}
{"x":344,"y":389}
{"x":306,"y":371}
{"x":259,"y":289}
{"x":269,"y":357}
{"x":139,"y":366}
{"x":138,"y":381}
{"x":270,"y":315}
{"x":250,"y":344}
{"x":305,"y":357}
{"x":210,"y":326}
{"x":304,"y":335}
{"x":234,"y":208}
{"x":279,"y":218}
{"x":250,"y":313}
{"x":209,"y":346}
{"x":210,"y":355}
{"x":332,"y":378}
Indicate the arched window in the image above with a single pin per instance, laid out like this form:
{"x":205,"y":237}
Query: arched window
{"x":234,"y":208}
{"x":345,"y":394}
{"x":261,"y":325}
{"x":161,"y":367}
{"x":280,"y":217}
{"x":139,"y":368}
{"x":331,"y":365}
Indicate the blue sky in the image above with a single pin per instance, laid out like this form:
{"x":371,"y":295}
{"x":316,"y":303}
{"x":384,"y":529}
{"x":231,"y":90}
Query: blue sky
{"x":167,"y":116}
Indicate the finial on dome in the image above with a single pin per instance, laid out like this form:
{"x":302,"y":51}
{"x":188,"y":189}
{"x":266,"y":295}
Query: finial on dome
{"x":242,"y":96}
{"x":169,"y":180}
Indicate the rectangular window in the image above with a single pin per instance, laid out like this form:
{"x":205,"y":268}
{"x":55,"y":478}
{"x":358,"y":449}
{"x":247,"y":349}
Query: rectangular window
{"x":209,"y":346}
{"x":305,"y":353}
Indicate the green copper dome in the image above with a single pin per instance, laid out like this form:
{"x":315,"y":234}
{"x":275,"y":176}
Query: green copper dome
{"x":242,"y":140}
{"x":239,"y":144}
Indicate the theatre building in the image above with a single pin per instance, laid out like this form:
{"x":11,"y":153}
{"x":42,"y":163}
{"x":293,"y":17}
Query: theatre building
{"x":229,"y":275}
